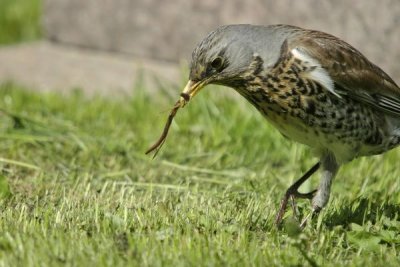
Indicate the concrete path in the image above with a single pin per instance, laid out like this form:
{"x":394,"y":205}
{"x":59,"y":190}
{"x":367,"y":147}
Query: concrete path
{"x":48,"y":67}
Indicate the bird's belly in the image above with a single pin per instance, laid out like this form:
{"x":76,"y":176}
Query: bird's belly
{"x":293,"y":129}
{"x":346,"y":144}
{"x":345,"y":127}
{"x":296,"y":130}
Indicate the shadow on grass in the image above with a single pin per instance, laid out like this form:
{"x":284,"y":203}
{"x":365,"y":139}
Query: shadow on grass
{"x":362,"y":210}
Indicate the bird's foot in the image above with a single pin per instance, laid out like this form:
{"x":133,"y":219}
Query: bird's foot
{"x":297,"y":194}
{"x":291,"y":194}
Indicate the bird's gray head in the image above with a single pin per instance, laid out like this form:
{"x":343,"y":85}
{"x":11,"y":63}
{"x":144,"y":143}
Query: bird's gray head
{"x":222,"y":55}
{"x":227,"y":54}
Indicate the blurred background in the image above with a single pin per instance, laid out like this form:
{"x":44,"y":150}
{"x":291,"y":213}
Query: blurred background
{"x":106,"y":45}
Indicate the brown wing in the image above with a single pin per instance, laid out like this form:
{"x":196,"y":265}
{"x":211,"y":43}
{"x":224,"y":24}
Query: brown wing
{"x":353,"y":74}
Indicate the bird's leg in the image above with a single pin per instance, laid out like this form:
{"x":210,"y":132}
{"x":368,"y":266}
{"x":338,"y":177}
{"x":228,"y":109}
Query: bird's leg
{"x":293,"y":192}
{"x":329,"y":170}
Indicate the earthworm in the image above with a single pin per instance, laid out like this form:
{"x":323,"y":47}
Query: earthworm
{"x":158,"y":144}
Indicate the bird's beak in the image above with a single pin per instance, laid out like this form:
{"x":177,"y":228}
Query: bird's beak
{"x":190,"y":90}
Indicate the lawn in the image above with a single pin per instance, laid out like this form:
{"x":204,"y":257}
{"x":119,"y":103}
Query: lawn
{"x":76,"y":188}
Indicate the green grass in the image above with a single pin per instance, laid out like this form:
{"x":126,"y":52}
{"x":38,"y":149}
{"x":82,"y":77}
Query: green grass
{"x":19,"y":20}
{"x":77,"y":190}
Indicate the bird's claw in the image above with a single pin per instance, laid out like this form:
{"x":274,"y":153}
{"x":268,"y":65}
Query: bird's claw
{"x":292,"y":195}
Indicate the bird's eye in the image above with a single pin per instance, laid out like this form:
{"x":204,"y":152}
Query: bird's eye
{"x":217,"y":63}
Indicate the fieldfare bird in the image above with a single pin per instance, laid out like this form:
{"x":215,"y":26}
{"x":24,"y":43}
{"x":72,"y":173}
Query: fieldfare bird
{"x":313,"y":87}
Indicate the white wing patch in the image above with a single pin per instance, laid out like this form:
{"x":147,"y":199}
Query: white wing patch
{"x":318,"y":74}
